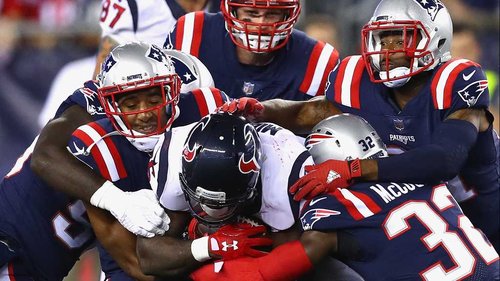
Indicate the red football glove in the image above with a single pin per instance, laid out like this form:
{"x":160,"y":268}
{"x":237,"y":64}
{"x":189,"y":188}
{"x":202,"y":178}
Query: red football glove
{"x":233,"y":241}
{"x":230,"y":242}
{"x":286,"y":262}
{"x":242,"y":269}
{"x":248,"y":107}
{"x":325,"y":178}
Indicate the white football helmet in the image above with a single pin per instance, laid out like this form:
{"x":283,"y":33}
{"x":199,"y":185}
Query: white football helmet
{"x":138,"y":66}
{"x":260,"y":37}
{"x":344,"y":137}
{"x":426,"y":29}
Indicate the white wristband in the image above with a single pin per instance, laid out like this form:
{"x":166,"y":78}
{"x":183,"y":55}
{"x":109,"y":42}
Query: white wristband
{"x":199,"y":249}
{"x":103,"y":193}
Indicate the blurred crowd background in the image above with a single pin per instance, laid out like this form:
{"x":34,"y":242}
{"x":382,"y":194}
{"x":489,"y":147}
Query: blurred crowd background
{"x":41,"y":38}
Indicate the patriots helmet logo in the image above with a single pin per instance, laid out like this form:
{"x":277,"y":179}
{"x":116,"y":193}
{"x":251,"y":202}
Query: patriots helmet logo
{"x":432,"y":7}
{"x":185,"y":73}
{"x":190,"y":147}
{"x":317,"y":138}
{"x":108,"y":63}
{"x":309,"y":218}
{"x":156,"y":54}
{"x":248,"y":161}
{"x":471,"y":93}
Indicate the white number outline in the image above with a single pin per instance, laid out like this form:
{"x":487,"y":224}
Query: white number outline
{"x":396,"y":224}
{"x":61,"y":224}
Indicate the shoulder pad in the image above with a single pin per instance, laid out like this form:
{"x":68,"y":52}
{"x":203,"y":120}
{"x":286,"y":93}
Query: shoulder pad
{"x":346,"y":81}
{"x":460,"y":76}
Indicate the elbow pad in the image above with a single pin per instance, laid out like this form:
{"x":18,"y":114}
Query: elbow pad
{"x":440,"y":160}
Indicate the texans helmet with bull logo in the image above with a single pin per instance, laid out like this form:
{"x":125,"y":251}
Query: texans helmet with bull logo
{"x":217,"y":193}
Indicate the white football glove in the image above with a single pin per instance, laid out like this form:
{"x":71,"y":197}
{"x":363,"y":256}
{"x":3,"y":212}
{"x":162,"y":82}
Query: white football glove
{"x":139,"y":212}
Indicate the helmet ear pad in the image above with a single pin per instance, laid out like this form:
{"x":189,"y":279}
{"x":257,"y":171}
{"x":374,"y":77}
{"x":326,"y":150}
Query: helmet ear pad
{"x":220,"y":164}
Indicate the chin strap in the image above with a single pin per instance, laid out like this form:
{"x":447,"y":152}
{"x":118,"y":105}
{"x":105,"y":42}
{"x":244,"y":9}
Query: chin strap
{"x":394,"y":73}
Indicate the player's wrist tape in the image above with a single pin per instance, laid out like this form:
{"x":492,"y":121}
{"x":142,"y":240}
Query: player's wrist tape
{"x":199,"y":249}
{"x":103,"y":194}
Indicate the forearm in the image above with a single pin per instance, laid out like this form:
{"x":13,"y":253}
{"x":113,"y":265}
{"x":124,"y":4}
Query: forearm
{"x":166,"y":256}
{"x":297,"y":116}
{"x":117,"y":241}
{"x":52,"y":162}
{"x":440,"y":160}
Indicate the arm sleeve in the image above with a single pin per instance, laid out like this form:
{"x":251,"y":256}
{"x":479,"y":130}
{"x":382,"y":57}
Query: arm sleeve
{"x":440,"y":160}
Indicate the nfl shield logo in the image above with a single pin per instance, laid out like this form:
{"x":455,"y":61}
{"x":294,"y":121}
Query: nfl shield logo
{"x":248,"y":88}
{"x":399,"y":124}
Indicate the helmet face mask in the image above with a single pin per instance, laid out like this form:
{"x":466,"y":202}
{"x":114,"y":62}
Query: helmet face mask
{"x":260,"y":37}
{"x":139,"y":72}
{"x":210,"y":207}
{"x":425,"y":32}
{"x":220,"y":167}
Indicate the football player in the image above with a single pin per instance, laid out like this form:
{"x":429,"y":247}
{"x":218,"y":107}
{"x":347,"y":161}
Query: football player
{"x":30,"y":205}
{"x":384,"y":231}
{"x":145,"y":20}
{"x":215,"y":170}
{"x":252,"y":50}
{"x":422,"y":102}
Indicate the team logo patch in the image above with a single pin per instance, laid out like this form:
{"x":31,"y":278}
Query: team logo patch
{"x":471,"y":93}
{"x":432,"y":7}
{"x":248,"y":88}
{"x":399,"y":124}
{"x":314,"y":215}
{"x":93,"y":104}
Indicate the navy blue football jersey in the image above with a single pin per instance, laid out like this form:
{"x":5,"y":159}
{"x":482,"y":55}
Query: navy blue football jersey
{"x":298,"y":71}
{"x":28,"y":206}
{"x":50,"y":230}
{"x":454,"y":85}
{"x":403,"y":232}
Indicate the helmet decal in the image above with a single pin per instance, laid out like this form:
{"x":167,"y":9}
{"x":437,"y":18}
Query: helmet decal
{"x":190,"y":148}
{"x":156,"y":54}
{"x":108,"y":63}
{"x":251,"y":165}
{"x":432,"y":7}
{"x":317,"y":138}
